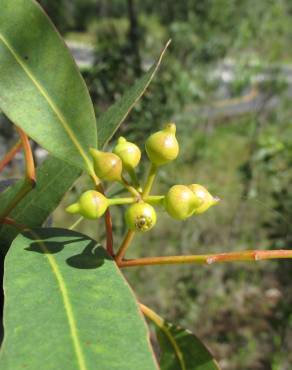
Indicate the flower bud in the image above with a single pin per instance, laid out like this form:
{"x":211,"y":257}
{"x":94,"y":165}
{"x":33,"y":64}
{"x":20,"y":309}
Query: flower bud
{"x":204,"y":199}
{"x":162,"y":146}
{"x":91,"y":204}
{"x":129,"y":153}
{"x":179,"y":202}
{"x":107,"y":166}
{"x":140,"y":217}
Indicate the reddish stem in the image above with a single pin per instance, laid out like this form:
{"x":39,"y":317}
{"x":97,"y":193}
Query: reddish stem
{"x":108,"y":223}
{"x":10,"y":221}
{"x":109,"y":232}
{"x":10,"y":154}
{"x":249,"y":255}
{"x":124,"y":246}
{"x":30,"y":179}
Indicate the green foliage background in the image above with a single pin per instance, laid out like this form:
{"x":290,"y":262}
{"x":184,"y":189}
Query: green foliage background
{"x":242,"y":311}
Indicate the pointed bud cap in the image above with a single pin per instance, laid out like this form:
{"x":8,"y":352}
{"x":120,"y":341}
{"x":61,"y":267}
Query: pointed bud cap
{"x":73,"y":208}
{"x":107,"y":166}
{"x":204,"y":200}
{"x":128,"y":152}
{"x":91,"y":205}
{"x":140,"y":217}
{"x":162,"y":146}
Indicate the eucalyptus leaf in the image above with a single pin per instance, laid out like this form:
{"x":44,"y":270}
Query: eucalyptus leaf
{"x":54,"y":178}
{"x":68,"y":307}
{"x":182,"y":350}
{"x":110,"y":121}
{"x":9,"y":190}
{"x":5,"y":184}
{"x":41,"y":89}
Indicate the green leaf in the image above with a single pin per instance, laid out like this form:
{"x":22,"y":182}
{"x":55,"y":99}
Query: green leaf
{"x":41,"y":89}
{"x":180,"y":349}
{"x":54,"y":178}
{"x":8,"y":194}
{"x":68,"y":307}
{"x":109,"y":122}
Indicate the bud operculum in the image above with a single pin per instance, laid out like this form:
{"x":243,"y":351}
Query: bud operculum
{"x":204,"y":199}
{"x":128,"y":152}
{"x":162,"y":146}
{"x":107,"y":166}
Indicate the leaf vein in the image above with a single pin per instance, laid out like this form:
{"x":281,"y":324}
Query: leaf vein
{"x":46,"y":96}
{"x":66,"y":300}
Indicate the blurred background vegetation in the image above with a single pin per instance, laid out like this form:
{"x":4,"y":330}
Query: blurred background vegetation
{"x":227,"y":83}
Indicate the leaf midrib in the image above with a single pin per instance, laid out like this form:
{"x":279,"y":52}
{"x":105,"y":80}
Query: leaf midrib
{"x":50,"y":102}
{"x":67,"y":304}
{"x":175,"y":345}
{"x":173,"y":342}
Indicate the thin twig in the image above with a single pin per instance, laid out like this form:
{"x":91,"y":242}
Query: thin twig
{"x":30,"y":178}
{"x":76,"y":223}
{"x":29,"y":161}
{"x":108,"y":222}
{"x":124,"y":246}
{"x":11,"y":222}
{"x":150,"y":180}
{"x":130,"y":188}
{"x":10,"y":154}
{"x":109,"y":232}
{"x":208,"y":259}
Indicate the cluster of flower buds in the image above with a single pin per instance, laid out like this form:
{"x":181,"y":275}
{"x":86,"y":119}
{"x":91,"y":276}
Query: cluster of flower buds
{"x":180,"y":202}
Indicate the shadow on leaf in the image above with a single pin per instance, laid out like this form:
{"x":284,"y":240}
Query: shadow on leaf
{"x":92,"y":257}
{"x":50,"y":247}
{"x":52,"y":241}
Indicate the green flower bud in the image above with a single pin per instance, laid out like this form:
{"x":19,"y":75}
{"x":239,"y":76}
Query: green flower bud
{"x":91,"y":204}
{"x":129,"y":153}
{"x":107,"y":166}
{"x":203,"y":198}
{"x":140,"y":217}
{"x":162,"y":146}
{"x":179,"y":202}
